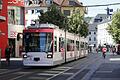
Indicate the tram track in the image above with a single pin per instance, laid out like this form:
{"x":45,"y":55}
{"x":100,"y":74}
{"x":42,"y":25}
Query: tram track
{"x":71,"y":75}
{"x":70,"y":70}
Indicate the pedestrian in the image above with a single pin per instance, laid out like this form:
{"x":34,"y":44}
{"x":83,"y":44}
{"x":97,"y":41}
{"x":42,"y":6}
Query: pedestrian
{"x":7,"y":54}
{"x":113,"y":50}
{"x":104,"y":50}
{"x":97,"y":50}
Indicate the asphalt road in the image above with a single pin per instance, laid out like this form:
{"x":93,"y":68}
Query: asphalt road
{"x":89,"y":68}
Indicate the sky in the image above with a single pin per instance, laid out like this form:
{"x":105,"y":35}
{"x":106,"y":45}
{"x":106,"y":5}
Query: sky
{"x":93,"y":11}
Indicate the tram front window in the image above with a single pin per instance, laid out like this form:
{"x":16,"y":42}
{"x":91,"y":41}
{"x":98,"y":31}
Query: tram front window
{"x":38,"y":42}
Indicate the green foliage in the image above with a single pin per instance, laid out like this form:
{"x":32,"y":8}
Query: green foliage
{"x":77,"y":25}
{"x":54,"y":16}
{"x":83,"y":30}
{"x":114,"y":27}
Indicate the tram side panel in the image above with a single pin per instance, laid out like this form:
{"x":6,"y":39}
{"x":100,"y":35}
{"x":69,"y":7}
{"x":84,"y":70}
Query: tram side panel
{"x":59,"y":51}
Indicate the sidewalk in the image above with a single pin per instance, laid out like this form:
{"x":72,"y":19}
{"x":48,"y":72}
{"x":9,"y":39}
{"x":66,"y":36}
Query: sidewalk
{"x":14,"y":63}
{"x":109,"y":69}
{"x":12,"y":59}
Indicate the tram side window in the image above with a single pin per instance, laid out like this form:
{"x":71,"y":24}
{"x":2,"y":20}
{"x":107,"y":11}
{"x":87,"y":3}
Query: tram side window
{"x":55,"y":44}
{"x":77,"y":45}
{"x":61,"y":43}
{"x":82,"y":45}
{"x":86,"y":45}
{"x":70,"y":45}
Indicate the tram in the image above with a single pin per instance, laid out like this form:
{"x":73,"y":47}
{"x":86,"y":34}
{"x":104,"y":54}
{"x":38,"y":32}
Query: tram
{"x":47,"y":45}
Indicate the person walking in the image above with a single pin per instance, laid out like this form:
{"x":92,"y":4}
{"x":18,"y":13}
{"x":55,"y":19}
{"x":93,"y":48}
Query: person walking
{"x":104,"y":50}
{"x":7,"y":54}
{"x":113,"y":50}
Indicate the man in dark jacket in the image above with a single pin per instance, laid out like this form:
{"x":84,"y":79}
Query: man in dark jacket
{"x":7,"y":54}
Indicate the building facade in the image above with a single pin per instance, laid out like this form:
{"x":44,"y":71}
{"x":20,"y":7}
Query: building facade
{"x":103,"y":37}
{"x":94,"y":28}
{"x":33,"y":8}
{"x":68,"y":7}
{"x":15,"y":25}
{"x":13,"y":11}
{"x":3,"y":26}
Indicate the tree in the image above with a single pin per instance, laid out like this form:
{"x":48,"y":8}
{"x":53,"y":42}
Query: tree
{"x":83,"y":29}
{"x":114,"y":27}
{"x":77,"y":24}
{"x":54,"y":16}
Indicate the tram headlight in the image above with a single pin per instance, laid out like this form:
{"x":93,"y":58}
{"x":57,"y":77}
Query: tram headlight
{"x":49,"y":56}
{"x":25,"y":56}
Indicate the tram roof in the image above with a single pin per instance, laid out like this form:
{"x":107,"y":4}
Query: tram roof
{"x":52,"y":26}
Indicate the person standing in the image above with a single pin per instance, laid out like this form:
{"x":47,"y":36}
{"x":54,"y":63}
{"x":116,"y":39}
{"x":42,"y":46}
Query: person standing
{"x":104,"y":50}
{"x":7,"y":54}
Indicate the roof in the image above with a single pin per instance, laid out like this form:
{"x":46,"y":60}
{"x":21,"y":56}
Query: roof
{"x":66,"y":3}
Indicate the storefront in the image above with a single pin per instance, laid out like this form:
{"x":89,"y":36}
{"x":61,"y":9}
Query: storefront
{"x":11,"y":24}
{"x":15,"y":25}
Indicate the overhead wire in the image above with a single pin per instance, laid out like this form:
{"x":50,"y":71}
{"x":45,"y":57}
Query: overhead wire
{"x":102,"y":5}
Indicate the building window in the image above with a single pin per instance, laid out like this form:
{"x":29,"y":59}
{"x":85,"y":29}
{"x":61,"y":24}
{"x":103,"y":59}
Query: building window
{"x":39,"y":11}
{"x":94,"y":38}
{"x":66,"y":12}
{"x":71,"y":3}
{"x":89,"y":38}
{"x":94,"y":32}
{"x":94,"y":45}
{"x":15,"y":15}
{"x":89,"y":32}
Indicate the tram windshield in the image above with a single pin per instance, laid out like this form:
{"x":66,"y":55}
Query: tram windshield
{"x":38,"y":42}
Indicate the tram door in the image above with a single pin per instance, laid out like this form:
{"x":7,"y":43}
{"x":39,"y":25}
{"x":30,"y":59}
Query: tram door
{"x":12,"y":45}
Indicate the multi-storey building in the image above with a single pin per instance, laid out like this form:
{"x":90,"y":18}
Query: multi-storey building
{"x":13,"y":11}
{"x":103,"y":37}
{"x":34,"y":7}
{"x":3,"y":26}
{"x":68,"y":7}
{"x":93,"y":28}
